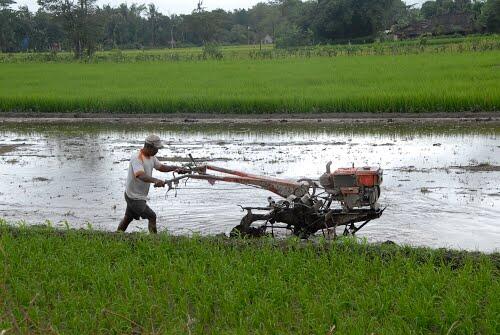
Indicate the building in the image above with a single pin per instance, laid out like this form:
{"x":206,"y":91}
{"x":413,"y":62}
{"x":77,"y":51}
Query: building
{"x":267,"y":40}
{"x":457,"y":23}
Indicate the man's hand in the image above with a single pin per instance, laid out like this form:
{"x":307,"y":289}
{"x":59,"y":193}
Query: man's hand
{"x":200,"y":169}
{"x":159,"y":183}
{"x":182,"y":170}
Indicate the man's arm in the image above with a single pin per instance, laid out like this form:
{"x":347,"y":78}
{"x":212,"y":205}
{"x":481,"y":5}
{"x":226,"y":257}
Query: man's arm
{"x":158,"y":182}
{"x":167,"y":168}
{"x":138,"y":170}
{"x":172,"y":168}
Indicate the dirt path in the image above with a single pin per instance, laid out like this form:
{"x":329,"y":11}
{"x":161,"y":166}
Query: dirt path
{"x":250,"y":118}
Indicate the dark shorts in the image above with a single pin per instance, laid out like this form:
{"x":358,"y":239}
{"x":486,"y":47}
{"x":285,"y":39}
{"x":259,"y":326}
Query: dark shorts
{"x":138,"y":209}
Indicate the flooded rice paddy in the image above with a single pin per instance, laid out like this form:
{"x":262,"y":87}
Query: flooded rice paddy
{"x":441,"y":182}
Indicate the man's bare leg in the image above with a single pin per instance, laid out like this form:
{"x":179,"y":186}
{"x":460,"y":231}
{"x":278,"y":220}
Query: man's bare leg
{"x":152,"y":225}
{"x":124,"y":223}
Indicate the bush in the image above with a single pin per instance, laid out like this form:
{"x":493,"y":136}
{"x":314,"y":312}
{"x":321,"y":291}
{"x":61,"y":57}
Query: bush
{"x":290,"y":36}
{"x":117,"y":55}
{"x":422,"y":41}
{"x":212,"y":51}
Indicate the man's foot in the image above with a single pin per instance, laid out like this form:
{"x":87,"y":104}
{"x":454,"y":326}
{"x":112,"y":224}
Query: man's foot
{"x":152,"y":226}
{"x":124,"y":223}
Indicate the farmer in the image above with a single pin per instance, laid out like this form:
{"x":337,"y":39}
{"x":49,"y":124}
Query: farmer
{"x":140,"y":176}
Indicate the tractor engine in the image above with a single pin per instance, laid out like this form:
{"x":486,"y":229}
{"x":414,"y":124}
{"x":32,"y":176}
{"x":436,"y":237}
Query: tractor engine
{"x":353,"y":187}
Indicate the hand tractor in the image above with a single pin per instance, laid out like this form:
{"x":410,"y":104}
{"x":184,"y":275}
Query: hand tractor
{"x":344,"y":197}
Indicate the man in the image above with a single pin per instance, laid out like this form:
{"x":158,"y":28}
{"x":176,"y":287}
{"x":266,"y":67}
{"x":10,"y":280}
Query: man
{"x":140,"y":177}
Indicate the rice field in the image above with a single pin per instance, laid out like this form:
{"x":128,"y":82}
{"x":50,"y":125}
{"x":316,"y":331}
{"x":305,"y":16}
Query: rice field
{"x":444,"y":82}
{"x":85,"y":282}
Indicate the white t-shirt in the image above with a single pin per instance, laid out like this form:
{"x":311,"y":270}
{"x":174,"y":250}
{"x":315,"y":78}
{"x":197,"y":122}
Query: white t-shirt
{"x":137,"y":189}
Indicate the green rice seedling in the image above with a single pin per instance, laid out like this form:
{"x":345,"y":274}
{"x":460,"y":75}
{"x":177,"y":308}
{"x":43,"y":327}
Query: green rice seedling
{"x":94,"y":282}
{"x":444,"y":82}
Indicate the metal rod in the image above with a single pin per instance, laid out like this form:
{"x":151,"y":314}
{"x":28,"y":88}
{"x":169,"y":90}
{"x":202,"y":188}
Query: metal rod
{"x":256,"y":208}
{"x":358,"y":228}
{"x":277,"y":227}
{"x":192,"y":160}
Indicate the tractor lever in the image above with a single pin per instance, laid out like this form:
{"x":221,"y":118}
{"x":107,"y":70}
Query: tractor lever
{"x":174,"y":181}
{"x":170,"y":183}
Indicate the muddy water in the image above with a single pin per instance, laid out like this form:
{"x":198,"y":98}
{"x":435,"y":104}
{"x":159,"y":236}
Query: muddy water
{"x":441,"y":182}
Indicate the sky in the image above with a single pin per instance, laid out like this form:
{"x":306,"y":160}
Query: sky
{"x":169,"y":7}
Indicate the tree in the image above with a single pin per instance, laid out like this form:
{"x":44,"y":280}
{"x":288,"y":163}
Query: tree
{"x":490,"y":16}
{"x":348,"y":19}
{"x":153,"y":17}
{"x":82,"y":26}
{"x":238,"y":34}
{"x":23,"y":28}
{"x":4,"y":4}
{"x":462,"y":5}
{"x":79,"y":20}
{"x":429,"y":9}
{"x":445,"y":7}
{"x":45,"y":32}
{"x":175,"y":33}
{"x":263,"y":19}
{"x":7,"y":18}
{"x":289,"y":35}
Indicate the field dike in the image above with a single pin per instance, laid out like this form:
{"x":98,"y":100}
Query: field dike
{"x":71,"y":282}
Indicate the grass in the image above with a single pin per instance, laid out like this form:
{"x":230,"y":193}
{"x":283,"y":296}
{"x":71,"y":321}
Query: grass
{"x":117,"y":55}
{"x":445,"y":82}
{"x":427,"y":45}
{"x":77,"y":282}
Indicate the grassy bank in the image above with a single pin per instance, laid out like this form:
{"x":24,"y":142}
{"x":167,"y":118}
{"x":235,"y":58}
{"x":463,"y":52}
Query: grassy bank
{"x":422,"y":45}
{"x":412,"y":83}
{"x":88,"y":282}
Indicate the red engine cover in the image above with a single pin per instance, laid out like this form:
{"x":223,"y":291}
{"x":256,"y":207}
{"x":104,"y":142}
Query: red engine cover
{"x":365,"y":176}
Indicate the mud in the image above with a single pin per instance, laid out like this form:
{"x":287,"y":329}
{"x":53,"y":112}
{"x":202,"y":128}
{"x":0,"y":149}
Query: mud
{"x":483,"y":167}
{"x":8,"y":148}
{"x":12,"y":161}
{"x":443,"y":195}
{"x":224,"y":119}
{"x":42,"y":179}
